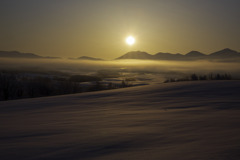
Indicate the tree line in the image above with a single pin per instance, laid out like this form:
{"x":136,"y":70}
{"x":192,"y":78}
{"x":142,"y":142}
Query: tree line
{"x":17,"y":86}
{"x":195,"y":77}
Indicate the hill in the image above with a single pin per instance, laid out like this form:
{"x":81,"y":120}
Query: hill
{"x":185,"y":120}
{"x":16,"y":54}
{"x":195,"y":54}
{"x":136,"y":55}
{"x":89,"y":58}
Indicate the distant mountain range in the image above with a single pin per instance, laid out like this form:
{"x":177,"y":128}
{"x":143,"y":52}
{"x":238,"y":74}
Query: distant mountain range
{"x":224,"y":54}
{"x":16,"y":54}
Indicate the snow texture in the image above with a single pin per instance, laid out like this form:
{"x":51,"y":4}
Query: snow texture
{"x":184,"y":120}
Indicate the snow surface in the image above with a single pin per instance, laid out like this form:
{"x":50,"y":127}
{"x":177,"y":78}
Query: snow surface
{"x":184,"y":120}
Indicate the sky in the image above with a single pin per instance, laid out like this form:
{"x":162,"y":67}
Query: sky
{"x":98,"y":28}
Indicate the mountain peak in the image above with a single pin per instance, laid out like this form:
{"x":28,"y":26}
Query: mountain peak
{"x":228,"y":49}
{"x":195,"y":54}
{"x":136,"y":55}
{"x":225,"y":53}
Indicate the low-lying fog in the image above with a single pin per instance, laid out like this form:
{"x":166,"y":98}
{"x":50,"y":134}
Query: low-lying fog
{"x":157,"y":70}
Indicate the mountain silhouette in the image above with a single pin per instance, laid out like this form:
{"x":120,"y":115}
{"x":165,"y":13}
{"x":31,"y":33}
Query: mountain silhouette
{"x":136,"y":55}
{"x":147,"y":56}
{"x":89,"y":58}
{"x":168,"y":56}
{"x":16,"y":54}
{"x":193,"y":55}
{"x":225,"y":53}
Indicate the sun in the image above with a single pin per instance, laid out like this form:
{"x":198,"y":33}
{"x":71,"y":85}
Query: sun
{"x":130,"y":40}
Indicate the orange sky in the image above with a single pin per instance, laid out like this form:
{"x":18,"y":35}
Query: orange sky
{"x":98,"y":28}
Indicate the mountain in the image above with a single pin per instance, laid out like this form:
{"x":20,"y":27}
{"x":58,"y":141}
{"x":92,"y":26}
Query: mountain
{"x":168,"y":56}
{"x":89,"y":58}
{"x":136,"y":55}
{"x":225,"y":53}
{"x":195,"y":54}
{"x":16,"y":54}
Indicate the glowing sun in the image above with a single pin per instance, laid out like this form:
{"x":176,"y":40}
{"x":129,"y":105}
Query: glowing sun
{"x":130,"y":40}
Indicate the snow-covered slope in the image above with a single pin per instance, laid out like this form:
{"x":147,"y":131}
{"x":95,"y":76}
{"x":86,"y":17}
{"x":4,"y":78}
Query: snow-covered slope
{"x":185,"y":120}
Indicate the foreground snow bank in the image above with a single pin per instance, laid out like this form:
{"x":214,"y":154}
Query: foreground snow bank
{"x":185,"y":120}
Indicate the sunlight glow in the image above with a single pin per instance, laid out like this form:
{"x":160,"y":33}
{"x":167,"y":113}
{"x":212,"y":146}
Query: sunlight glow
{"x":130,"y":40}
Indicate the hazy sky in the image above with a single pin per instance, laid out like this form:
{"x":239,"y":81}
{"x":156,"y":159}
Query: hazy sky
{"x":73,"y":28}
